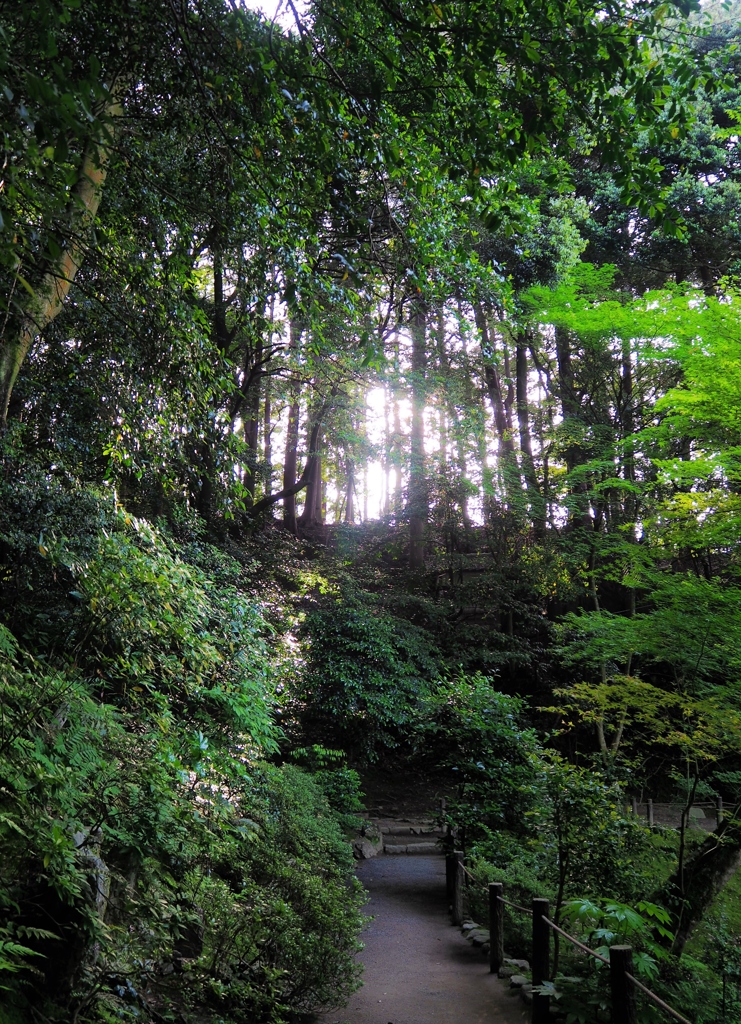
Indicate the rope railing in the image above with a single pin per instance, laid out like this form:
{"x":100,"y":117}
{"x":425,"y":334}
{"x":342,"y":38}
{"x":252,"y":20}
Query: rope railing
{"x":622,"y":981}
{"x":575,"y":942}
{"x":659,"y":1002}
{"x":470,"y":875}
{"x":516,"y":906}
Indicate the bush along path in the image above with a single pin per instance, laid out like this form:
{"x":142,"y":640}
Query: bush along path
{"x":418,"y":968}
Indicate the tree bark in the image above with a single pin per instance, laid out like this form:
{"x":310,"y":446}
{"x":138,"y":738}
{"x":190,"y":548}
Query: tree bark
{"x":507,"y":457}
{"x":386,"y":455}
{"x":292,"y":489}
{"x":417,"y":506}
{"x":311,"y":514}
{"x":320,"y":491}
{"x":535,"y":498}
{"x":47,"y":301}
{"x":350,"y":493}
{"x":252,"y":422}
{"x":571,"y":413}
{"x":692,"y":888}
{"x":397,"y":448}
{"x":290,"y":461}
{"x":267,"y":437}
{"x":628,"y":425}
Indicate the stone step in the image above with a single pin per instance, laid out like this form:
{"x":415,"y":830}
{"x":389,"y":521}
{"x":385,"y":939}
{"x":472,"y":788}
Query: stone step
{"x":405,"y":827}
{"x":411,"y":830}
{"x":415,"y":848}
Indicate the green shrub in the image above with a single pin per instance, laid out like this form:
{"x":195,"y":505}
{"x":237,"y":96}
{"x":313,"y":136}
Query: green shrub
{"x":364,"y":677}
{"x":152,"y":863}
{"x":477,"y":734}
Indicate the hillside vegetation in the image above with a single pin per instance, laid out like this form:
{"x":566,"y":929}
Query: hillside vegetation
{"x":370,"y":391}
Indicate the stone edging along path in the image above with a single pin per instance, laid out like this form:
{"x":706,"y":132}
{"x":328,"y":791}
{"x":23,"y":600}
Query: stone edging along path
{"x":515,"y":971}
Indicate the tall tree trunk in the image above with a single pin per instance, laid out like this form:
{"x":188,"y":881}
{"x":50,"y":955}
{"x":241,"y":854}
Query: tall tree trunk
{"x":36,"y":311}
{"x":365,"y":462}
{"x":509,"y":394}
{"x":319,"y":491}
{"x":418,"y":499}
{"x":313,"y":490}
{"x":397,"y":450}
{"x":443,"y":374}
{"x":507,"y":459}
{"x":350,"y":493}
{"x":205,"y":465}
{"x":386,"y":455}
{"x":252,"y":422}
{"x":628,"y":427}
{"x":220,"y":333}
{"x":462,"y":467}
{"x":535,"y":498}
{"x":461,"y":437}
{"x":694,"y":885}
{"x":312,"y":513}
{"x":571,"y":414}
{"x":290,"y":461}
{"x":267,"y":437}
{"x":309,"y":467}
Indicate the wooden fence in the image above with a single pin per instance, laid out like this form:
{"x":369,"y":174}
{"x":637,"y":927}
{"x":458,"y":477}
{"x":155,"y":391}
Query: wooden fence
{"x":623,"y":984}
{"x":702,"y":815}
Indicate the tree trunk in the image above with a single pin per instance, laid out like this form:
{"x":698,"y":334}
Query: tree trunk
{"x":319,"y":491}
{"x":220,"y":333}
{"x":443,"y":368}
{"x":290,"y":466}
{"x":397,"y":453}
{"x":290,"y":462}
{"x":252,"y":422}
{"x":267,"y":437}
{"x":571,"y":412}
{"x":417,"y":502}
{"x":312,"y":506}
{"x":628,"y":425}
{"x":509,"y":395}
{"x":535,"y":498}
{"x":309,"y":467}
{"x":350,"y":493}
{"x":692,"y":888}
{"x":507,"y":457}
{"x":36,"y":311}
{"x":365,"y":461}
{"x":312,"y":514}
{"x":386,"y":456}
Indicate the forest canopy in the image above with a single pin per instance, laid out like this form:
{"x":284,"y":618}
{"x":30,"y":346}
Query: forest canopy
{"x":370,"y":382}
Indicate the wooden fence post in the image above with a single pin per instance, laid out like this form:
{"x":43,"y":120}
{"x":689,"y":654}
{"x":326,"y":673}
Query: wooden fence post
{"x":540,"y":961}
{"x":622,"y":990}
{"x":449,"y":875}
{"x":496,"y":926}
{"x":448,"y":845}
{"x":458,"y":888}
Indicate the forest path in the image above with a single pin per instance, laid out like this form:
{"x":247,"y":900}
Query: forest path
{"x":418,"y":968}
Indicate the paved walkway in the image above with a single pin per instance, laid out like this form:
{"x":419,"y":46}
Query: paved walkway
{"x":418,"y":968}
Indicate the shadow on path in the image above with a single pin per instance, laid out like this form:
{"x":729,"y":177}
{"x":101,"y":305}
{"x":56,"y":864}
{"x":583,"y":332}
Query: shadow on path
{"x":418,"y":968}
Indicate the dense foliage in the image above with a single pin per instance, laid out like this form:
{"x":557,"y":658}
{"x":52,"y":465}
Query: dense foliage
{"x":369,"y":390}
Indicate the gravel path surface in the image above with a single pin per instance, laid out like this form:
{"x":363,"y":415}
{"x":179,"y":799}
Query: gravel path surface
{"x":418,"y":968}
